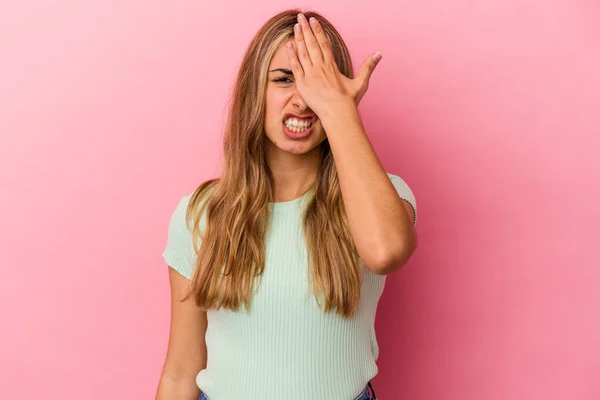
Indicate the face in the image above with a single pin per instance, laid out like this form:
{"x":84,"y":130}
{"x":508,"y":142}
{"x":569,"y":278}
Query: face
{"x":282,"y":97}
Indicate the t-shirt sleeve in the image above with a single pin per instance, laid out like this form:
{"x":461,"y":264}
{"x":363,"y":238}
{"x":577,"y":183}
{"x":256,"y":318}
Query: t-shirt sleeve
{"x":179,"y":251}
{"x":405,"y":193}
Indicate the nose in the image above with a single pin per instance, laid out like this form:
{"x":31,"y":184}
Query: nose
{"x":299,"y":102}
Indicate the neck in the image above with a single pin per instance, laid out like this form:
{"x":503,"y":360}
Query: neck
{"x":293,"y":174}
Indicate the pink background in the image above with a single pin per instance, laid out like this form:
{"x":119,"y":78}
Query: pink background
{"x":490,"y":110}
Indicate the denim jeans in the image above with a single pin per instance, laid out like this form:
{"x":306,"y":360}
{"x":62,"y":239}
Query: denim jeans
{"x":367,"y":394}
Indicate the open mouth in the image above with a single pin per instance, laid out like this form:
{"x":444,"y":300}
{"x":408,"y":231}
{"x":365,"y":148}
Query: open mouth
{"x":297,"y":132}
{"x":297,"y":128}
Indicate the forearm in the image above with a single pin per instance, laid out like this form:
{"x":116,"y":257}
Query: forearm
{"x":377,"y":218}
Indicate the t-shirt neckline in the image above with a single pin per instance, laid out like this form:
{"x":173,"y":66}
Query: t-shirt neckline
{"x":282,"y":206}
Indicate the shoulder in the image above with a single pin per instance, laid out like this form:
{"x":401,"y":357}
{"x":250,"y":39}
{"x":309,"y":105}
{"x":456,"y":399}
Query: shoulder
{"x":179,"y":250}
{"x":405,"y":193}
{"x":185,"y":211}
{"x":182,"y":205}
{"x":178,"y":217}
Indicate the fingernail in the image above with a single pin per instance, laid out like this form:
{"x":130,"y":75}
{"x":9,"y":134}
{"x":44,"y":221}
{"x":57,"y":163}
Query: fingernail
{"x":377,"y":56}
{"x":313,"y":21}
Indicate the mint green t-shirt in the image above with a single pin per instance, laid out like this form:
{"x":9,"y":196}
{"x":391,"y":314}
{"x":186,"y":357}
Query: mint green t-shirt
{"x":285,"y":347}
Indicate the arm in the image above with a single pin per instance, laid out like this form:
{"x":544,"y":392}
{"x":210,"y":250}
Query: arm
{"x":186,"y":351}
{"x":380,"y":221}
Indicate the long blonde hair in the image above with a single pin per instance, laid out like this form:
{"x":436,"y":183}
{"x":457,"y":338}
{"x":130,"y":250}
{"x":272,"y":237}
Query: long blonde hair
{"x":231,"y":251}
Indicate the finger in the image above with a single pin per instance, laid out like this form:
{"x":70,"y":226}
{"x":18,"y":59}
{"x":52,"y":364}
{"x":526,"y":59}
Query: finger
{"x":323,"y":41}
{"x":294,"y":62}
{"x":366,"y":70}
{"x":312,"y":45}
{"x":301,"y":50}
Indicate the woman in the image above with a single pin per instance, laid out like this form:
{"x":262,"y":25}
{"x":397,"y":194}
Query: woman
{"x":286,"y":254}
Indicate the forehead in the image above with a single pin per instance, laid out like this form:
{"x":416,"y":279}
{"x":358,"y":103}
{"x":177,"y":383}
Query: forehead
{"x":280,"y":58}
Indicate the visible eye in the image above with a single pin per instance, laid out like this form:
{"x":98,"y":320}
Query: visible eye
{"x":283,"y":79}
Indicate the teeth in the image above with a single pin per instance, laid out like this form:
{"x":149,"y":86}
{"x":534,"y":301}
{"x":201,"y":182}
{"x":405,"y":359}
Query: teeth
{"x":298,"y":124}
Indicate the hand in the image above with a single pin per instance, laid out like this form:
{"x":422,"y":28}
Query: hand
{"x":317,"y":76}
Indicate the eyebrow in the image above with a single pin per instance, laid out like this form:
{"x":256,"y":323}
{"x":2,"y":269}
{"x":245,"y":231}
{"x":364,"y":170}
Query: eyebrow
{"x":285,"y":71}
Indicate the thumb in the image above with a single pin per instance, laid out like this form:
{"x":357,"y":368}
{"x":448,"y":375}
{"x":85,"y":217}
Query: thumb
{"x":366,"y":70}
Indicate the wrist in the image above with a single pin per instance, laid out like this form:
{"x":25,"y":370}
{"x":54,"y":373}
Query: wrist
{"x":342,"y":120}
{"x":344,"y":109}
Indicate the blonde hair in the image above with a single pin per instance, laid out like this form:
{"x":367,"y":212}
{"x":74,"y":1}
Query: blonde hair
{"x":231,"y":252}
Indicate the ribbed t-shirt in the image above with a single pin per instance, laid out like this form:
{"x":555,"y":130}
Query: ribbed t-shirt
{"x":285,"y":346}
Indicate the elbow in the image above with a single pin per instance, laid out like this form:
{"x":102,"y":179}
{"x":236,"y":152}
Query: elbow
{"x":391,"y":264}
{"x":393,"y":259}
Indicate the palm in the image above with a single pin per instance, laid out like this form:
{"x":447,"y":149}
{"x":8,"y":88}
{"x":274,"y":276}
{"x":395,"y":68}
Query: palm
{"x":318,"y":79}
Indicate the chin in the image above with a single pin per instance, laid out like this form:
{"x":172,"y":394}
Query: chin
{"x":295,"y":148}
{"x":282,"y":142}
{"x":300,"y":146}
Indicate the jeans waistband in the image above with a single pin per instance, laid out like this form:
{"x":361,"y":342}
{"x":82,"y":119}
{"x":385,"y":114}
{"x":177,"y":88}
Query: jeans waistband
{"x":367,"y":394}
